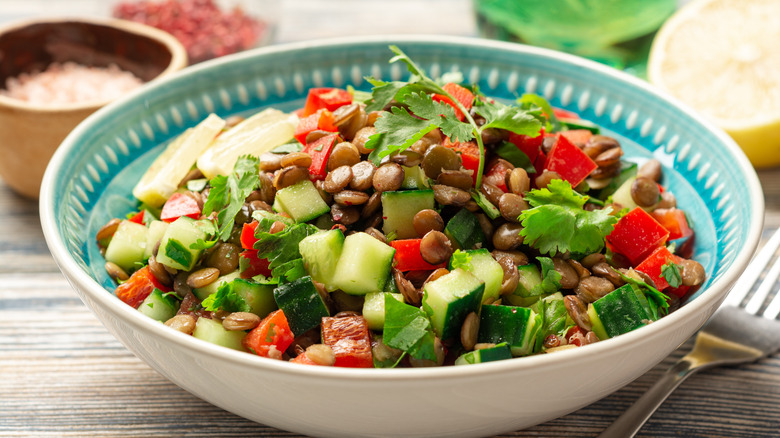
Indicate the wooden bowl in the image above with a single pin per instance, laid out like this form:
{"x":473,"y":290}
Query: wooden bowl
{"x":32,"y":132}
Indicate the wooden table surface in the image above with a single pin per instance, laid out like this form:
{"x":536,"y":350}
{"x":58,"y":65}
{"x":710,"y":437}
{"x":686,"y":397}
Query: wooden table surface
{"x":63,"y":374}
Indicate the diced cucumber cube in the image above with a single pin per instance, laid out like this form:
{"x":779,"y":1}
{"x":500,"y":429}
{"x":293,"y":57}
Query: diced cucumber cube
{"x":517,"y":326}
{"x":128,"y":246}
{"x":596,"y":324}
{"x":530,"y":279}
{"x":321,"y":253}
{"x":259,"y":296}
{"x":374,"y":308}
{"x":212,"y":331}
{"x":464,"y":230}
{"x":175,"y":251}
{"x":499,"y":352}
{"x":414,"y":178}
{"x":399,"y":208}
{"x":487,"y":269}
{"x":158,"y":306}
{"x":364,"y":265}
{"x":155,"y":234}
{"x":621,"y":311}
{"x":449,"y":299}
{"x":622,"y":195}
{"x":302,"y":305}
{"x":302,"y":201}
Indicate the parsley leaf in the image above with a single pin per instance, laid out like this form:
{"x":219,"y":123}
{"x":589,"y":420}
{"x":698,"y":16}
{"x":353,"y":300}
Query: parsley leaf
{"x":670,"y":272}
{"x":176,"y":251}
{"x":408,"y":329}
{"x":558,"y":223}
{"x":282,"y":248}
{"x":441,"y":114}
{"x":382,"y":94}
{"x":530,"y":100}
{"x":226,"y":298}
{"x":228,"y":193}
{"x":201,"y":244}
{"x":551,"y":279}
{"x":511,"y":118}
{"x":659,"y":299}
{"x":460,"y":259}
{"x":396,"y":131}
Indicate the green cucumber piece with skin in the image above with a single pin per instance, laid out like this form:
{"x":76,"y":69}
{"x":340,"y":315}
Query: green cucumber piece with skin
{"x":464,"y":230}
{"x":364,"y":265}
{"x":414,"y":178}
{"x":128,"y":246}
{"x":260,"y":215}
{"x":302,"y":304}
{"x":259,"y":296}
{"x":487,"y":269}
{"x":159,"y":306}
{"x":175,"y":251}
{"x":572,"y":124}
{"x":324,"y":222}
{"x":449,"y":299}
{"x":517,"y":326}
{"x":302,"y":201}
{"x":321,"y":253}
{"x":374,"y":308}
{"x":155,"y":234}
{"x":596,"y":325}
{"x":212,"y":331}
{"x":498,"y":352}
{"x":530,"y":278}
{"x":399,"y":208}
{"x":202,"y":292}
{"x":627,"y":170}
{"x":517,"y":300}
{"x":621,"y":311}
{"x":622,"y":195}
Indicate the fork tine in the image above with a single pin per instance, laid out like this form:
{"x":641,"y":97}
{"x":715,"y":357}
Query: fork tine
{"x":766,"y":286}
{"x":773,"y":309}
{"x":748,"y":278}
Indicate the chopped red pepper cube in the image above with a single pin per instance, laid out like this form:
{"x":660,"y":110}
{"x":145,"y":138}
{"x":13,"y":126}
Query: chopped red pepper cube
{"x":539,"y":163}
{"x":319,"y":151}
{"x":325,"y":98}
{"x":138,"y":217}
{"x":568,"y":161}
{"x":248,"y":238}
{"x":678,"y":291}
{"x":350,"y":340}
{"x":271,"y":338}
{"x":303,"y":359}
{"x":408,"y":258}
{"x":496,"y":174}
{"x":255,"y":265}
{"x":469,"y":155}
{"x":674,"y":220}
{"x":565,"y":114}
{"x":321,"y":120}
{"x":636,"y":235}
{"x":578,"y":137}
{"x":179,"y":205}
{"x":654,"y":263}
{"x":529,"y":145}
{"x":135,"y":290}
{"x":463,"y":95}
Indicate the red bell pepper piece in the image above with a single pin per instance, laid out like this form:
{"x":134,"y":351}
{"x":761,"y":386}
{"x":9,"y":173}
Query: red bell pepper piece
{"x":408,"y":258}
{"x":578,"y":137}
{"x":565,"y":114}
{"x":135,"y":290}
{"x":138,"y":217}
{"x":179,"y":205}
{"x":463,"y":95}
{"x":320,"y":153}
{"x":531,"y":146}
{"x":254,"y":264}
{"x":469,"y":155}
{"x":271,"y":338}
{"x":350,"y":340}
{"x":303,"y":359}
{"x":636,"y":235}
{"x":321,"y":120}
{"x":248,"y":238}
{"x":569,"y":161}
{"x":674,"y":220}
{"x":539,"y":163}
{"x":496,"y":174}
{"x":654,"y":263}
{"x":325,"y":98}
{"x":678,"y":291}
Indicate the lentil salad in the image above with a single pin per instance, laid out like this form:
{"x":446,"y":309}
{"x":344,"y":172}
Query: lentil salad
{"x":366,"y":243}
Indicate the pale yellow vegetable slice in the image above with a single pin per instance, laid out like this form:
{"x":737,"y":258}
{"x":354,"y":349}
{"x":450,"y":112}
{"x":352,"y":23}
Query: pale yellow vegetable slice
{"x":163,"y":176}
{"x":253,"y":136}
{"x":721,"y":57}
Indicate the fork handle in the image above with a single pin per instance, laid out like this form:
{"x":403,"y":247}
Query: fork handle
{"x":628,"y":424}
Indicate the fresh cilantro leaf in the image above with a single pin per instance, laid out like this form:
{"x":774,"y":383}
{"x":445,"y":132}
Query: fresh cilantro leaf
{"x":484,"y":203}
{"x":201,"y":244}
{"x":358,"y":95}
{"x":660,"y":299}
{"x":218,"y":195}
{"x":171,"y":294}
{"x":511,"y":118}
{"x":558,"y":223}
{"x":293,"y":146}
{"x":551,"y":279}
{"x":460,"y":259}
{"x":226,"y":298}
{"x":670,"y":272}
{"x":530,"y":100}
{"x":440,"y":114}
{"x":555,"y":314}
{"x":176,"y":251}
{"x":282,"y":247}
{"x":382,"y":94}
{"x":230,"y":192}
{"x":408,"y":329}
{"x":289,"y":271}
{"x":396,"y":131}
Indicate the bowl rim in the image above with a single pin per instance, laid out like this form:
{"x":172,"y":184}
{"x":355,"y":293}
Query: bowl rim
{"x":709,"y":298}
{"x":178,"y":60}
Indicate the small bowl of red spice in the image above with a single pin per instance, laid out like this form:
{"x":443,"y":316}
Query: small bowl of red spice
{"x":56,"y":72}
{"x":207,"y":28}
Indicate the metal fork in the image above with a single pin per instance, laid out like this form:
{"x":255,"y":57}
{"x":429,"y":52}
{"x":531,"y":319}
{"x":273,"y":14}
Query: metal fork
{"x":736,"y":334}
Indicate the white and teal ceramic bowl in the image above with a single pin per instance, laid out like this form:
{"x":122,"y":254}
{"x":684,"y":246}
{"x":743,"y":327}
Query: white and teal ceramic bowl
{"x":90,"y":178}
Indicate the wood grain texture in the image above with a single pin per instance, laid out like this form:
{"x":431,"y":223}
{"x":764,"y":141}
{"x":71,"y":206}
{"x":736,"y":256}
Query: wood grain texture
{"x":63,"y":375}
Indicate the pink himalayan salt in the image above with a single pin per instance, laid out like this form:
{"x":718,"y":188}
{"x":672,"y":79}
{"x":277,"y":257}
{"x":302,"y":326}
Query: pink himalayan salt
{"x":70,"y":83}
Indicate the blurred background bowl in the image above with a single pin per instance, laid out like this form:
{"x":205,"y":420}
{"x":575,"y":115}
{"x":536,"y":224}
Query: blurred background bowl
{"x":33,"y":131}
